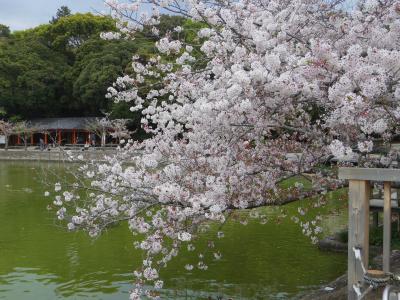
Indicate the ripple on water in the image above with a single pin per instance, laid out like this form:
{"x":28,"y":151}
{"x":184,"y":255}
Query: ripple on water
{"x":23,"y":282}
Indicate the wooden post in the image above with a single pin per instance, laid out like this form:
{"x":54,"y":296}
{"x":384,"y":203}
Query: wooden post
{"x":59,"y":137}
{"x":45,"y":138}
{"x":359,"y":192}
{"x":19,"y":139}
{"x":358,"y":217}
{"x":387,"y":224}
{"x":74,"y":137}
{"x":103,"y":138}
{"x":31,"y":138}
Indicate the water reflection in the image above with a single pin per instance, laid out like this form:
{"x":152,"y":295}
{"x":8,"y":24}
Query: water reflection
{"x":39,"y":260}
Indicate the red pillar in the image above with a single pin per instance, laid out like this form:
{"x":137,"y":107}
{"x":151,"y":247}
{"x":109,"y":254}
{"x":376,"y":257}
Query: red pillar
{"x":74,"y":137}
{"x":31,"y":138}
{"x":19,"y":139}
{"x":45,"y":138}
{"x":59,"y":137}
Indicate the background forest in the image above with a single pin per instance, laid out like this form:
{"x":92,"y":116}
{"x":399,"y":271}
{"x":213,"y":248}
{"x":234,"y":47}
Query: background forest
{"x":64,"y":68}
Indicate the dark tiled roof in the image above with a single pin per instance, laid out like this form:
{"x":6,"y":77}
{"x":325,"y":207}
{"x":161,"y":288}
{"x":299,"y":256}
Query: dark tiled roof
{"x":61,"y":123}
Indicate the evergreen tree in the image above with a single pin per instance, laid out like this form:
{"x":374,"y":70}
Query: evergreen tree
{"x":4,"y":31}
{"x":63,"y":11}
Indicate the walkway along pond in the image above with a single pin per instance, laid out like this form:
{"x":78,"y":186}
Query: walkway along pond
{"x":41,"y":260}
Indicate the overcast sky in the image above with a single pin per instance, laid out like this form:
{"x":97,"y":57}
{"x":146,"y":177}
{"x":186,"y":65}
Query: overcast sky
{"x":23,"y":14}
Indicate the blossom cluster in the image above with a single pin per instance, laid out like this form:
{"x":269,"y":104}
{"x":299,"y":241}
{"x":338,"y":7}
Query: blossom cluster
{"x":269,"y":79}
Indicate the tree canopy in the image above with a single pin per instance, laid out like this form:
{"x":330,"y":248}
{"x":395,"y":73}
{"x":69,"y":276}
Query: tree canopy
{"x":4,"y":31}
{"x":32,"y":79}
{"x":64,"y":68}
{"x":97,"y":64}
{"x":71,"y":32}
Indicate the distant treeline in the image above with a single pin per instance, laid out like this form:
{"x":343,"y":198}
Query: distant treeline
{"x":64,"y":68}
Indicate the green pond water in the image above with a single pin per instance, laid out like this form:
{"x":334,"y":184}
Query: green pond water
{"x":39,"y":259}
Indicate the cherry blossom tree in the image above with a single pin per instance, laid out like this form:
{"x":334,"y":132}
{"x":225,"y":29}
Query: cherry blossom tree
{"x":117,"y":128}
{"x":24,"y":129}
{"x":120,"y":130}
{"x":263,"y":80}
{"x":100,"y":126}
{"x":6,"y":129}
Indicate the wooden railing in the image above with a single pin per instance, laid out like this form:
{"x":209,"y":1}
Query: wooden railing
{"x":359,"y":219}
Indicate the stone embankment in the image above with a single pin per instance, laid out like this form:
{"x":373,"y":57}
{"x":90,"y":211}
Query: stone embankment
{"x":55,"y":154}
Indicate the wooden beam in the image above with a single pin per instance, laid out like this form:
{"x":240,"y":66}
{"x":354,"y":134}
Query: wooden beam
{"x":387,"y":223}
{"x":359,"y":193}
{"x":375,"y":174}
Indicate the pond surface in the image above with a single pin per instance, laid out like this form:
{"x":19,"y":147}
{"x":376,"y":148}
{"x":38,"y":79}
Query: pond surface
{"x":41,"y":260}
